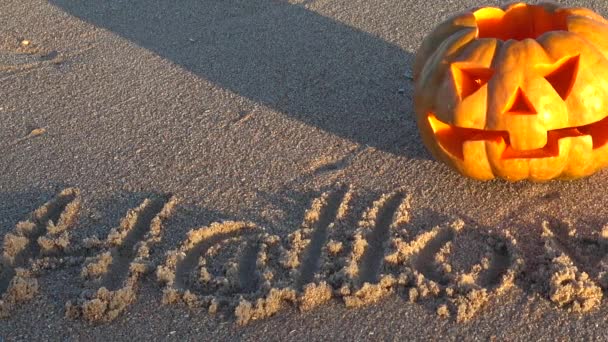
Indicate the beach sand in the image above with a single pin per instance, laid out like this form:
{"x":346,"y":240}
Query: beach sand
{"x":251,"y":170}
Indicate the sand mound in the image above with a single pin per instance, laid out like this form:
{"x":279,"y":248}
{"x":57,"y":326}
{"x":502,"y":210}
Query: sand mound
{"x":47,"y":232}
{"x":568,"y":287}
{"x":119,"y":268}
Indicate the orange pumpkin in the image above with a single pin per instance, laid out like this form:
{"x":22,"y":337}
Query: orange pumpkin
{"x":519,"y":92}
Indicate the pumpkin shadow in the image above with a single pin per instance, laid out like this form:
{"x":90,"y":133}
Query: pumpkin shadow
{"x":313,"y":69}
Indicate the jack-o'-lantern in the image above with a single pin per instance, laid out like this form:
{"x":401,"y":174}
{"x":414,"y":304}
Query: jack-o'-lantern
{"x":519,"y":92}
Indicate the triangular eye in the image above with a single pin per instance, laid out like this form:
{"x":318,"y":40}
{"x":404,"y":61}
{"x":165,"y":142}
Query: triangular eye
{"x":520,"y":105}
{"x":469,"y":79}
{"x":562,"y":75}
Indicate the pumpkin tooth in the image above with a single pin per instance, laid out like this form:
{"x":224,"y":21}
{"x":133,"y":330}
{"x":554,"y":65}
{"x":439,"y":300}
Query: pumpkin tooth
{"x":451,"y":138}
{"x":598,"y":131}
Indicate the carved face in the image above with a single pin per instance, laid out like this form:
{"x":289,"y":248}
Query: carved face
{"x":519,"y":92}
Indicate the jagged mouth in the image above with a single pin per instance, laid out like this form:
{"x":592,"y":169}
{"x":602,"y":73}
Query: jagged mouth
{"x":451,"y":138}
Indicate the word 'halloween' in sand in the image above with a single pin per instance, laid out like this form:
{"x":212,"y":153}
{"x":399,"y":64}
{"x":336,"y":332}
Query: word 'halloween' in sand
{"x":358,"y":256}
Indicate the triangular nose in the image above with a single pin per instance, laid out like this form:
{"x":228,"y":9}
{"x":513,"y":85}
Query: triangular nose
{"x":520,"y":105}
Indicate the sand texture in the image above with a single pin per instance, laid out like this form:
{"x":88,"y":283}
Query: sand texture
{"x":251,"y":170}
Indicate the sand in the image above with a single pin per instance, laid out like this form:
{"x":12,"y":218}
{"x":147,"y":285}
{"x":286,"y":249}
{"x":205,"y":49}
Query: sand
{"x":251,"y":170}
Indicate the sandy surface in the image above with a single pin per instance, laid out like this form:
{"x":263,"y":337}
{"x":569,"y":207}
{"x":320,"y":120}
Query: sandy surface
{"x":251,"y":170}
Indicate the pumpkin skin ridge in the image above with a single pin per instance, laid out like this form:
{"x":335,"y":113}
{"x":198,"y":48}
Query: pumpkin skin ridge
{"x":580,"y":25}
{"x":574,"y":120}
{"x":571,"y":13}
{"x":428,"y":48}
{"x":564,"y":164}
{"x":467,"y":111}
{"x":435,"y":60}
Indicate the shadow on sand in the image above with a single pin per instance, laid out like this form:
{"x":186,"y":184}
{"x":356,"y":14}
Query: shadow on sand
{"x":293,"y":60}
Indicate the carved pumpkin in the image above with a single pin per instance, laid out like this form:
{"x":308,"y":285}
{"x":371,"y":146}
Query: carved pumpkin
{"x":519,"y":92}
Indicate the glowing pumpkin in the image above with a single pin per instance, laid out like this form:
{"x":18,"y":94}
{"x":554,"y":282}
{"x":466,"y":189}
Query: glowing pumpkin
{"x":519,"y":92}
